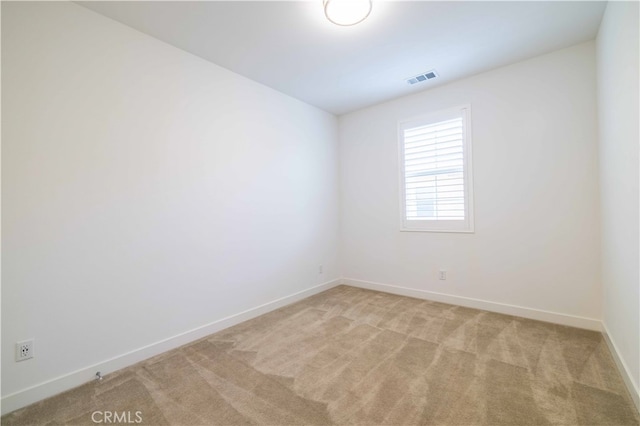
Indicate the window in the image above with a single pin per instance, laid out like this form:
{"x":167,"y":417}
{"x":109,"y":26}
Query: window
{"x":435,"y":172}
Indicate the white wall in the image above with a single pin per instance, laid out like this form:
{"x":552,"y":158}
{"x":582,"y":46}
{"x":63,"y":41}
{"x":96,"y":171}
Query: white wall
{"x":146,"y":192}
{"x":536,"y":240}
{"x":618,"y":112}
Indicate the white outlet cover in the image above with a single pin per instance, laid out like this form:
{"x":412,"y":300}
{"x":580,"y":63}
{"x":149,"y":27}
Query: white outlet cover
{"x":24,"y":350}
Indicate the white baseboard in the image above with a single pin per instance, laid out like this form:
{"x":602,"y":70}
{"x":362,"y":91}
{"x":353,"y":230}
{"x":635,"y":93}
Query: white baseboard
{"x":520,"y":311}
{"x":68,"y":381}
{"x":632,"y":387}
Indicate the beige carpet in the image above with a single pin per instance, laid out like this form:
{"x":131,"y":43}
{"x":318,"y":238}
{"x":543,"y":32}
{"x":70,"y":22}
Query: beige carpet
{"x":351,"y":356}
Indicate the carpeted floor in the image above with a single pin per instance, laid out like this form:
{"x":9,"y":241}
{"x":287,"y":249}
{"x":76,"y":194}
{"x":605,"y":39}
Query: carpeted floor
{"x":357,"y":357}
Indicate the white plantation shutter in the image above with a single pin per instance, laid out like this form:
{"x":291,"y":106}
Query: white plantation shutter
{"x":435,"y":165}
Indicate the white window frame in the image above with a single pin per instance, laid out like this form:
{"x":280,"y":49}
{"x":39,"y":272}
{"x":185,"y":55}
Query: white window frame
{"x":466,"y":225}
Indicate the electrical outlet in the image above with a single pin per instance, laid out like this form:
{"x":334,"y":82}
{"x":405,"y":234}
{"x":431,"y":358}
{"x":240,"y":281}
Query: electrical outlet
{"x":24,"y":350}
{"x":320,"y":269}
{"x":442,"y":274}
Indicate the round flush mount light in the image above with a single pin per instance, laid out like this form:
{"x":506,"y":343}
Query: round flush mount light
{"x":347,"y":12}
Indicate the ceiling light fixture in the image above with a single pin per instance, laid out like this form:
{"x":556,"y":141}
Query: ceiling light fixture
{"x":347,"y":12}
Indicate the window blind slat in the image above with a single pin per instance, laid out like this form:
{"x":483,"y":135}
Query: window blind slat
{"x":430,"y":158}
{"x":438,"y":163}
{"x":434,"y":172}
{"x":433,"y":145}
{"x":445,"y":179}
{"x":436,"y":139}
{"x":433,"y":150}
{"x":455,"y":123}
{"x":439,"y":194}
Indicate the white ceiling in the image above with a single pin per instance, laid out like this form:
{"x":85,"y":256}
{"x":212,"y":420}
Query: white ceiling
{"x":291,"y":47}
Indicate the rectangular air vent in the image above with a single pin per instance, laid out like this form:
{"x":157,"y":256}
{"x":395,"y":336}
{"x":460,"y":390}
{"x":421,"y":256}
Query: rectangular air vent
{"x":423,"y":77}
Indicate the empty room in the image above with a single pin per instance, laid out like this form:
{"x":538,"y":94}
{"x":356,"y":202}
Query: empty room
{"x":349,"y":212}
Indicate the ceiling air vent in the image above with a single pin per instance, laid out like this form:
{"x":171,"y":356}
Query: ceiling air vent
{"x":429,"y":75}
